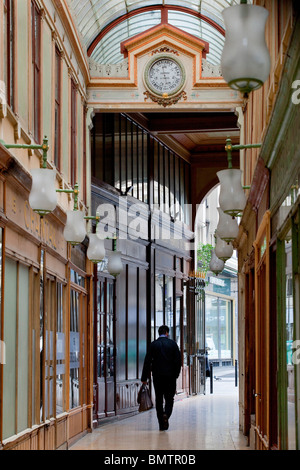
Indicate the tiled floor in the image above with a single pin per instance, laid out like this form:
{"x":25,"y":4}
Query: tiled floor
{"x":203,"y":422}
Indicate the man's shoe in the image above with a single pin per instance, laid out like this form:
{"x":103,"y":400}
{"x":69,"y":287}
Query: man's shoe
{"x":165,"y":422}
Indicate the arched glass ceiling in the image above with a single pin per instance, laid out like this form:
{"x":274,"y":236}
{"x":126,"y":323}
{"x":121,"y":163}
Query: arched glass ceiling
{"x":108,"y":51}
{"x":202,"y":30}
{"x":93,"y":16}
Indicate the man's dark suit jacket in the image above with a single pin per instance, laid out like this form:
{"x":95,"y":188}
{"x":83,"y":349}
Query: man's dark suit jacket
{"x":163,"y":359}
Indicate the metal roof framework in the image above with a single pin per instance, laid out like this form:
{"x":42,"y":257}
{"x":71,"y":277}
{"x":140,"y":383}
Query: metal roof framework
{"x":104,"y":24}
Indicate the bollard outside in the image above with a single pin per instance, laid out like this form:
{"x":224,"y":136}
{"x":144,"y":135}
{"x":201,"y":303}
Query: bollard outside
{"x":236,"y":373}
{"x":211,"y":378}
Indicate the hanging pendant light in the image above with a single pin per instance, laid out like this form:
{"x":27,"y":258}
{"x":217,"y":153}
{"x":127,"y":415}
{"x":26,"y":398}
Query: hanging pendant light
{"x":232,"y":198}
{"x":216,"y":265}
{"x":223,"y":249}
{"x":43,"y":197}
{"x":245,"y":59}
{"x":115,"y":265}
{"x":227,"y":228}
{"x":96,"y":249}
{"x":75,"y":230}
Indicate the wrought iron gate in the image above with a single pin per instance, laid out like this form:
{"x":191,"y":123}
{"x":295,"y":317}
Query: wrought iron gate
{"x":196,"y":335}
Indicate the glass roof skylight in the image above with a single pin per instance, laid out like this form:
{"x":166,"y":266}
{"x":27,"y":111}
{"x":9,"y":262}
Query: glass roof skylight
{"x":93,"y":16}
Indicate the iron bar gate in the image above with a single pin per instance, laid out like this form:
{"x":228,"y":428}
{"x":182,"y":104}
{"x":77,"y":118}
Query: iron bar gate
{"x":196,"y":335}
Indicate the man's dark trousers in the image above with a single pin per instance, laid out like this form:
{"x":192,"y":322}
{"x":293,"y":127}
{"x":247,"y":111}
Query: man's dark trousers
{"x":164,"y":361}
{"x":165,"y":388}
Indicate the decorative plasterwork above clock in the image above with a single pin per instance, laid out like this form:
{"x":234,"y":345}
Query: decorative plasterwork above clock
{"x":162,"y":67}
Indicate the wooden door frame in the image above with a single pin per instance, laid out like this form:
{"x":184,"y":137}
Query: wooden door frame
{"x":291,"y":224}
{"x":249,"y":350}
{"x":261,"y":242}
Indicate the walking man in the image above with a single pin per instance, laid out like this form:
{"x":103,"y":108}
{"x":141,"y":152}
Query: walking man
{"x":164,"y":360}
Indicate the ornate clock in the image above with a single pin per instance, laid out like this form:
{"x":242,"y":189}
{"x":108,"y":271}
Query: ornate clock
{"x":164,"y":78}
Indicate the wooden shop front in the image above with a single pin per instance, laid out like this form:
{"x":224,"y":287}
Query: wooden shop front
{"x":45,"y":323}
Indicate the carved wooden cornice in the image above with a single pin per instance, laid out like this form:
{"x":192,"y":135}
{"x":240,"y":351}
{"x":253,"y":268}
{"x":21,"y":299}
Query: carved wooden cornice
{"x":259,"y":183}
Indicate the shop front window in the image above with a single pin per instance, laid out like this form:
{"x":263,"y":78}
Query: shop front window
{"x":159,"y":303}
{"x":74,"y":349}
{"x":169,"y":316}
{"x":185,"y":326}
{"x":225,"y":328}
{"x":178,"y":329}
{"x":60,"y":350}
{"x":16,"y":387}
{"x":164,"y":303}
{"x":218,"y":328}
{"x":289,"y":315}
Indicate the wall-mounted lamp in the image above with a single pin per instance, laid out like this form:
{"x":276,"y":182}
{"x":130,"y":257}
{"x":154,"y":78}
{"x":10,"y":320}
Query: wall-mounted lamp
{"x":75,"y":228}
{"x":115,"y":265}
{"x":223,"y":249}
{"x":232,"y":198}
{"x":227,"y":228}
{"x":245,"y":59}
{"x":96,"y":249}
{"x":42,"y":198}
{"x":216,"y":265}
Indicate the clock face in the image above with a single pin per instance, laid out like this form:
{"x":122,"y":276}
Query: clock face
{"x":164,"y":75}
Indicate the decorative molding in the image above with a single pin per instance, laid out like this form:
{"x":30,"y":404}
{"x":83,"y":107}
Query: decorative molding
{"x":165,"y":49}
{"x":259,"y":183}
{"x":17,"y":131}
{"x":165,"y":100}
{"x":210,"y":70}
{"x":108,"y":70}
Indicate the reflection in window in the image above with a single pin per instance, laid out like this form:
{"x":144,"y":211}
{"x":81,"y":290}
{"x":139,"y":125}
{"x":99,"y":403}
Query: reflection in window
{"x":41,"y":305}
{"x":169,"y":317}
{"x":9,"y":50}
{"x":185,"y":326}
{"x":105,"y":329}
{"x":164,"y":303}
{"x":77,"y":278}
{"x":100,"y":328}
{"x":218,"y":337}
{"x":159,"y":304}
{"x":60,"y":351}
{"x":74,"y":349}
{"x":289,"y":347}
{"x":178,"y":330}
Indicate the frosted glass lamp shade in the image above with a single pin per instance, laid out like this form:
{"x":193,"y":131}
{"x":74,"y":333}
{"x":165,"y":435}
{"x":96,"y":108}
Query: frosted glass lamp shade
{"x":114,"y":265}
{"x":96,"y":250}
{"x":43,"y":196}
{"x":245,"y":59}
{"x":232,"y":198}
{"x":223,"y":249}
{"x":216,"y":265}
{"x":75,"y":230}
{"x":227,"y":228}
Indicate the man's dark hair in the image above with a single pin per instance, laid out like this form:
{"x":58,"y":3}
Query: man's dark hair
{"x":162,"y":330}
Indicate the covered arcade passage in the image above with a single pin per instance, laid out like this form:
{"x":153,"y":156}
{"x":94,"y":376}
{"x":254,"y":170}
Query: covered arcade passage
{"x":128,"y":106}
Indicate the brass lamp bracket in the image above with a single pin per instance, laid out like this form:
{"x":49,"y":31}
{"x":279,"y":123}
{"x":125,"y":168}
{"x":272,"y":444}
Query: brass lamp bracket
{"x":74,"y":191}
{"x":229,"y":148}
{"x":44,"y":147}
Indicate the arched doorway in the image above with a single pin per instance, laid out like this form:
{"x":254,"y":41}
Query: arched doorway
{"x":220,"y":291}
